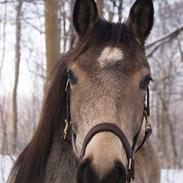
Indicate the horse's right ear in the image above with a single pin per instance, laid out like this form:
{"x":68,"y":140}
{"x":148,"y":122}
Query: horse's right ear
{"x":85,"y":15}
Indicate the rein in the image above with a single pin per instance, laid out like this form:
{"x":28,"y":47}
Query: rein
{"x":110,"y":127}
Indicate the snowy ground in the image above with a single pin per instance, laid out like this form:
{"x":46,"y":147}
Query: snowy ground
{"x":5,"y":166}
{"x":172,"y":176}
{"x":167,"y":176}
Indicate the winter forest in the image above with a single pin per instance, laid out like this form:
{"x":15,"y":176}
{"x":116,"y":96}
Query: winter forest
{"x":35,"y":34}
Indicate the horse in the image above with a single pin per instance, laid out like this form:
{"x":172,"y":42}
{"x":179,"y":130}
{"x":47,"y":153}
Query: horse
{"x":95,"y":123}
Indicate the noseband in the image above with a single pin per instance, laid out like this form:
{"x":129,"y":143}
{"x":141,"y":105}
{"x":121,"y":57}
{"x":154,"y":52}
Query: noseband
{"x":110,"y":127}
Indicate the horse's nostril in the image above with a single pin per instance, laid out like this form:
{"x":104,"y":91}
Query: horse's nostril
{"x":116,"y":175}
{"x":121,"y":171}
{"x":86,"y":173}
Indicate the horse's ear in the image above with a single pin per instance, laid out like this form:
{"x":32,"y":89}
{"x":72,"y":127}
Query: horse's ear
{"x":85,"y":15}
{"x":141,"y":19}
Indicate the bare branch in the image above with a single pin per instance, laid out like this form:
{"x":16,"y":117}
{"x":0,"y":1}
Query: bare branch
{"x":153,"y":46}
{"x":42,"y":76}
{"x":33,"y":26}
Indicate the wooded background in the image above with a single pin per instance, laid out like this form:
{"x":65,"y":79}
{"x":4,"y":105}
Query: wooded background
{"x":34,"y":34}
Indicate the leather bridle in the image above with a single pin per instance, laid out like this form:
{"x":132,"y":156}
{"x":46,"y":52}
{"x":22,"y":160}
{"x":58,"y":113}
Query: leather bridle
{"x":113,"y":128}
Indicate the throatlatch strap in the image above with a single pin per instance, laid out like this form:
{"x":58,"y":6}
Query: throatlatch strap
{"x":68,"y":117}
{"x":148,"y":132}
{"x":148,"y":129}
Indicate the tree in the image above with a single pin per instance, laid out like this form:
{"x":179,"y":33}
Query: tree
{"x":17,"y":68}
{"x":100,"y":4}
{"x":166,"y":55}
{"x":52,"y":33}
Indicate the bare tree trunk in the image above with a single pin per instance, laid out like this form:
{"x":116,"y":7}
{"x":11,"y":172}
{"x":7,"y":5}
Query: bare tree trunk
{"x":100,"y":4}
{"x":71,"y":33}
{"x":3,"y":122}
{"x":65,"y":34}
{"x":4,"y":39}
{"x":180,"y":47}
{"x":52,"y":34}
{"x":17,"y":68}
{"x":111,"y":12}
{"x":120,"y":11}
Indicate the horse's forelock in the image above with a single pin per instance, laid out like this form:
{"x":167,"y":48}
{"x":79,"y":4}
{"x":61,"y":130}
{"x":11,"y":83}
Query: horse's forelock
{"x":104,"y":34}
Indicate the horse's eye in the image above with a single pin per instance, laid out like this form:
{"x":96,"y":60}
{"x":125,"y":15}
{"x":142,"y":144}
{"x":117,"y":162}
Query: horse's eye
{"x":72,"y":78}
{"x":145,"y":82}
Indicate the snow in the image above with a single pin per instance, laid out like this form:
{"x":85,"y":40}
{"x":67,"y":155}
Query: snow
{"x":171,"y":176}
{"x":167,"y":176}
{"x":6,"y":163}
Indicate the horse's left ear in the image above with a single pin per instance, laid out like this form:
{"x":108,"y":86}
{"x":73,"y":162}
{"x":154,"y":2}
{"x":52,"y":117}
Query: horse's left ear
{"x":85,"y":15}
{"x":141,"y":19}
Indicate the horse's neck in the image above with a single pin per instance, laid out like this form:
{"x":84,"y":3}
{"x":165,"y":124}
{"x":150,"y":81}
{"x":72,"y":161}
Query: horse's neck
{"x":61,"y":165}
{"x":146,"y":164}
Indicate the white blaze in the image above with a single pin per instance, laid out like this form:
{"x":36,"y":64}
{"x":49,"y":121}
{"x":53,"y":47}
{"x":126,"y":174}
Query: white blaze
{"x":110,"y":55}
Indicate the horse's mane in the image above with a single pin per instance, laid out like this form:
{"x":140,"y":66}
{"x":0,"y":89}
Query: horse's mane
{"x":31,"y":163}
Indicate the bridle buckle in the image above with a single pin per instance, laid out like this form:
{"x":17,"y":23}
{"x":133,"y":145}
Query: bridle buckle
{"x":130,"y":164}
{"x":148,"y":121}
{"x":131,"y":172}
{"x":148,"y":126}
{"x":66,"y":128}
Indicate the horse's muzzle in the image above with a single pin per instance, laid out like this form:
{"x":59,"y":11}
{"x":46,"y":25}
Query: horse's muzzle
{"x":87,"y":174}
